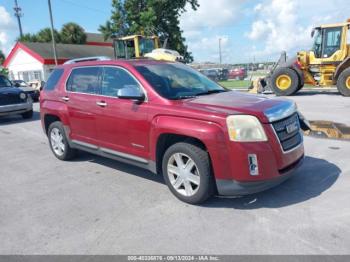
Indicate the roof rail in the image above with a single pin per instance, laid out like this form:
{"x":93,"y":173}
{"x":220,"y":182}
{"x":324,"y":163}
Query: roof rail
{"x":86,"y":59}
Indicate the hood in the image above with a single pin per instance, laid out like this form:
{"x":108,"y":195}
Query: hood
{"x":266,"y":109}
{"x":9,"y":90}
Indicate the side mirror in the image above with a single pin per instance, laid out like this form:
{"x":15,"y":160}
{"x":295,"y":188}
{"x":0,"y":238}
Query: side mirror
{"x":132,"y":92}
{"x":312,"y":33}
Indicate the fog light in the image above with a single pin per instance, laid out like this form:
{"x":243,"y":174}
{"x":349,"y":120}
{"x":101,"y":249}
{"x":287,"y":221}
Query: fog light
{"x":253,"y":165}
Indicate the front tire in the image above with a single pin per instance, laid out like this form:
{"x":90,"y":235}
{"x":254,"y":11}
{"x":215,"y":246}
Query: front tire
{"x":343,"y":83}
{"x":187,"y":172}
{"x":285,"y":81}
{"x":59,"y":143}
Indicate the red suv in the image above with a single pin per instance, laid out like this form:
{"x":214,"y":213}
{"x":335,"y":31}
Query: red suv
{"x":172,"y":120}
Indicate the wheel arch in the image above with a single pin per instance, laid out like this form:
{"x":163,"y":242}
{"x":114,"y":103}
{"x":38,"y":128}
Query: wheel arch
{"x":340,"y":68}
{"x":48,"y":120}
{"x":166,"y":140}
{"x":209,"y":136}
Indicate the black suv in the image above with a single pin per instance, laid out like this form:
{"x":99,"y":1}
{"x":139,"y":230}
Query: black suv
{"x":13,"y":100}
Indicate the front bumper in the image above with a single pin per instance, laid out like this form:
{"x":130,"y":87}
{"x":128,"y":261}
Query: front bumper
{"x":236,"y":188}
{"x":15,"y":109}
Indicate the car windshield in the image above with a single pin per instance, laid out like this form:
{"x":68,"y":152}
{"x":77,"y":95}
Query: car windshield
{"x":4,"y":82}
{"x":178,"y":81}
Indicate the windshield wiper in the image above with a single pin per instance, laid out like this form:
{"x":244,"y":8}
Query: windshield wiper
{"x":183,"y":97}
{"x":209,"y":92}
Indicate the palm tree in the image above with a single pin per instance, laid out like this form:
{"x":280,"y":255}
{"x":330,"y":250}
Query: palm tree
{"x":44,"y":36}
{"x":2,"y":57}
{"x":106,"y":30}
{"x":28,"y":38}
{"x":72,"y":33}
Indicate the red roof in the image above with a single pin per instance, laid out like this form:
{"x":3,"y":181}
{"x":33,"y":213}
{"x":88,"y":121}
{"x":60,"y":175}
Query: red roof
{"x":44,"y":54}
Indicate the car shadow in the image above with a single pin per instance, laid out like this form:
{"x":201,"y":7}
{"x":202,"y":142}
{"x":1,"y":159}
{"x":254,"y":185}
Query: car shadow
{"x":313,"y":178}
{"x":120,"y":166}
{"x":15,"y":119}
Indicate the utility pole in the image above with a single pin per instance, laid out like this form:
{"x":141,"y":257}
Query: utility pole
{"x":52,"y":34}
{"x":220,"y":56}
{"x":18,"y":14}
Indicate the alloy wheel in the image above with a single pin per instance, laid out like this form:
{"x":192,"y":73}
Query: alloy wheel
{"x":57,"y":141}
{"x":183,"y":174}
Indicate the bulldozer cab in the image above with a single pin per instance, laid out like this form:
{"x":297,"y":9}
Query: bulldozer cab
{"x":134,"y":46}
{"x":330,"y":44}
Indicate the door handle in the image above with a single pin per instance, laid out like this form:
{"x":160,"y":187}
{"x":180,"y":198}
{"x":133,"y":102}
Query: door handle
{"x":101,"y":104}
{"x":65,"y":98}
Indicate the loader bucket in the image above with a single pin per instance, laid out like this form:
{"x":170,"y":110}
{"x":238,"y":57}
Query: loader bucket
{"x":328,"y":129}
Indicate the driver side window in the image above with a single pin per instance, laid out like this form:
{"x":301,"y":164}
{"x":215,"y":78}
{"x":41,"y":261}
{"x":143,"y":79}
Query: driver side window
{"x":115,"y":79}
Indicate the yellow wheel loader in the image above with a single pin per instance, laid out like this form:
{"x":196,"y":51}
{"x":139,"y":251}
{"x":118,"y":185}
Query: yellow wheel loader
{"x":327,"y":64}
{"x":138,"y":46}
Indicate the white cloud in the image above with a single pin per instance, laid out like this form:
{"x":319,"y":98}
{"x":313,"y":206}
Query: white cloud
{"x":7,"y":26}
{"x":286,"y":24}
{"x":211,"y":14}
{"x":201,"y":26}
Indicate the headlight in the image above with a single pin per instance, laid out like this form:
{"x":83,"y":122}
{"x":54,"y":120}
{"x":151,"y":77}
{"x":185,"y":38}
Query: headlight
{"x":22,"y":96}
{"x":245,"y":128}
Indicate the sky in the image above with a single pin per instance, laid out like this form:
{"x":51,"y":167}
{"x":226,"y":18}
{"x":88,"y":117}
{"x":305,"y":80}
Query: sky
{"x":250,"y":30}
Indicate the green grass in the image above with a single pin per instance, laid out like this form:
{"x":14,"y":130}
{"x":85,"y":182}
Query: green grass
{"x":233,"y":84}
{"x":244,"y":84}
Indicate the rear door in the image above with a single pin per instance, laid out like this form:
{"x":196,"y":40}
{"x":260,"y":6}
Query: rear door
{"x":83,"y":88}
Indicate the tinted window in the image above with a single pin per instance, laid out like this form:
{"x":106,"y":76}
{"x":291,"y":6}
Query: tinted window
{"x":85,"y":80}
{"x":115,"y":79}
{"x":53,"y":79}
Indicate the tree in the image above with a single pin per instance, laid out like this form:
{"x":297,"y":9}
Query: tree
{"x":3,"y":70}
{"x":2,"y":57}
{"x":44,"y":35}
{"x":116,"y":26}
{"x":72,"y":33}
{"x":159,"y":17}
{"x":28,"y":38}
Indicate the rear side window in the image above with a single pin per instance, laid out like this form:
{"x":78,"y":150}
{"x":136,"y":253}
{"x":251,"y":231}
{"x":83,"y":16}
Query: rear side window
{"x":53,"y":79}
{"x":85,"y":80}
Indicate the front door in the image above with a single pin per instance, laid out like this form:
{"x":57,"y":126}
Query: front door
{"x":83,"y":87}
{"x":122,"y":124}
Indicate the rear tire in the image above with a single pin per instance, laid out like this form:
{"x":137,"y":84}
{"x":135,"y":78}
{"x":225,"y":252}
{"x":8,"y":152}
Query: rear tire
{"x":285,"y":81}
{"x":27,"y":115}
{"x":343,"y":83}
{"x":59,"y":143}
{"x":187,"y":172}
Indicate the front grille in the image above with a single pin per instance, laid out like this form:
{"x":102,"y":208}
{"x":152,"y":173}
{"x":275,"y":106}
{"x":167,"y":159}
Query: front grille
{"x":10,"y":100}
{"x":288,"y":132}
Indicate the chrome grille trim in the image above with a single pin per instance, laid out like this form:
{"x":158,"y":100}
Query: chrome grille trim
{"x":288,"y":141}
{"x":281,"y":111}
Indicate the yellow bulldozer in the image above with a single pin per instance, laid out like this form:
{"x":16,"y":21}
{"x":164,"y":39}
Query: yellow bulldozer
{"x":326,"y":64}
{"x":138,"y":46}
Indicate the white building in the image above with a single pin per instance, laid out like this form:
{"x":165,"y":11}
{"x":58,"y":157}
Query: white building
{"x":34,"y":61}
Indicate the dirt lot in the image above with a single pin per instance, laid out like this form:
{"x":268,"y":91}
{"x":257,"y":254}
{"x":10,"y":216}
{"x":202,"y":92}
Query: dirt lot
{"x":98,"y":206}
